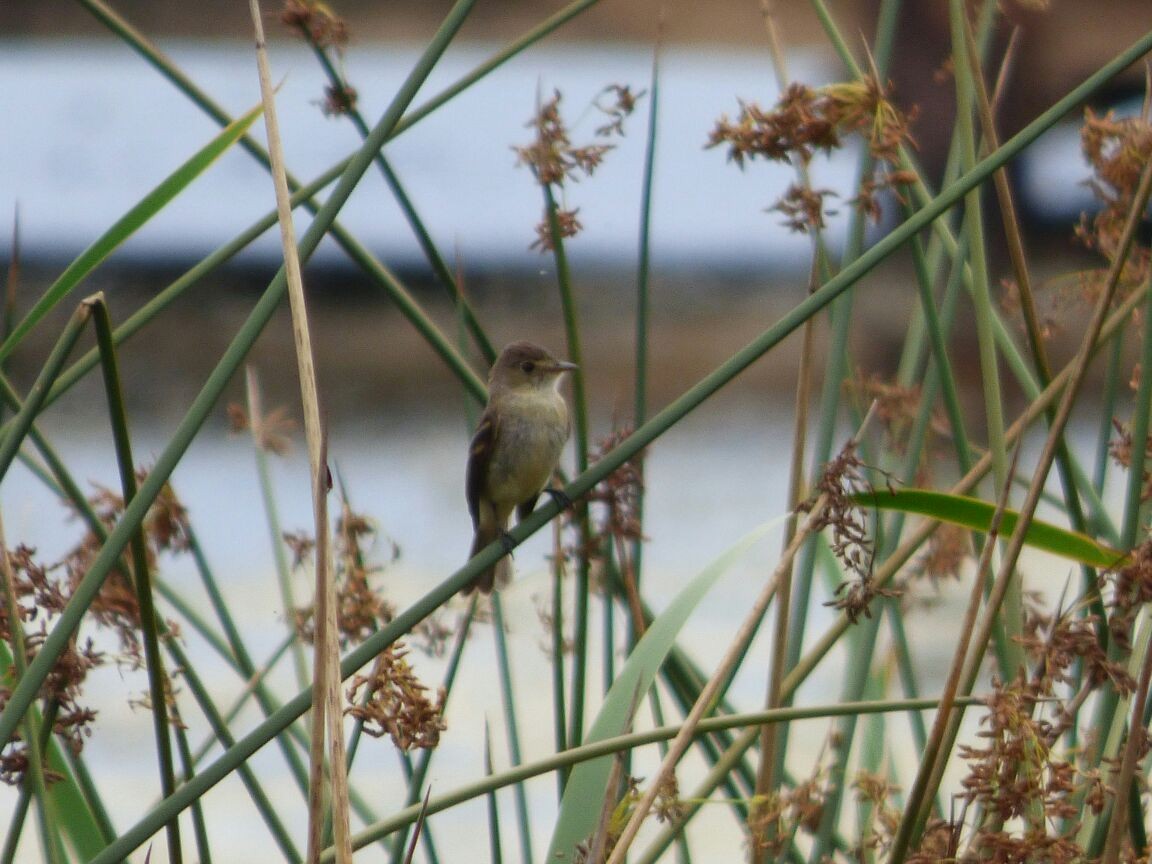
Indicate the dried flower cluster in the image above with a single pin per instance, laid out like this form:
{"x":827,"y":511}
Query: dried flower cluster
{"x":393,"y":702}
{"x":361,"y":609}
{"x":841,"y":479}
{"x":896,"y":406}
{"x":779,"y":814}
{"x":946,"y":551}
{"x":1026,"y":791}
{"x":1118,"y":150}
{"x":554,"y":159}
{"x":1121,"y":450}
{"x":316,"y":23}
{"x":325,"y":31}
{"x":41,"y":594}
{"x":1024,"y":797}
{"x":165,"y":531}
{"x":618,"y":496}
{"x":1131,"y":590}
{"x":339,"y":99}
{"x":272,"y":432}
{"x":807,"y":121}
{"x":803,"y":208}
{"x":875,"y":792}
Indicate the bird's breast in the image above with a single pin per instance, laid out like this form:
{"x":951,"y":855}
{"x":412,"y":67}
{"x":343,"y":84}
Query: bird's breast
{"x":531,"y":437}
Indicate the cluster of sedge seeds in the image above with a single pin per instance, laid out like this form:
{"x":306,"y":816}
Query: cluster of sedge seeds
{"x":843,"y":477}
{"x":806,"y":121}
{"x":617,"y":499}
{"x":325,"y":31}
{"x":40,"y":593}
{"x":391,"y":701}
{"x":362,"y":606}
{"x":554,"y":159}
{"x":1117,"y":151}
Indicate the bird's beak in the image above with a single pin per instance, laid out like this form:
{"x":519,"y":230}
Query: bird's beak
{"x":564,"y":366}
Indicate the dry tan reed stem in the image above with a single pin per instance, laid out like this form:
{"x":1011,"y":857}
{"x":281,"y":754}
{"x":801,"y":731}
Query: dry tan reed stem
{"x":327,"y":713}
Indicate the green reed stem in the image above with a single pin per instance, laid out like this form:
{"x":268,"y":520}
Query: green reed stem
{"x":575,"y":731}
{"x":1134,"y":490}
{"x":220,"y":728}
{"x":408,"y":208}
{"x":141,"y":573}
{"x":199,"y":825}
{"x":512,"y":726}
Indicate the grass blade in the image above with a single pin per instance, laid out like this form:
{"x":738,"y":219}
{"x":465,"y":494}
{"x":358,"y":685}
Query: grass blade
{"x":584,"y":793}
{"x":127,"y":225}
{"x":976,"y":515}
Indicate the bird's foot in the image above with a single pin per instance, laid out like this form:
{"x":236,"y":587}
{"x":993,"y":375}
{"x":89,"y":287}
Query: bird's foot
{"x":507,"y":541}
{"x":560,"y":497}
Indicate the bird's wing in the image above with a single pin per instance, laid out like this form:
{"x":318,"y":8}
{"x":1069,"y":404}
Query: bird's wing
{"x":479,"y":458}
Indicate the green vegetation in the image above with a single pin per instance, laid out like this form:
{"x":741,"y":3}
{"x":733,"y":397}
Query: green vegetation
{"x":1026,"y":750}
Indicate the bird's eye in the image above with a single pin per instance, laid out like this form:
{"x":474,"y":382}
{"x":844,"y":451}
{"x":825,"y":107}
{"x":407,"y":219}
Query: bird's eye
{"x":527,"y":366}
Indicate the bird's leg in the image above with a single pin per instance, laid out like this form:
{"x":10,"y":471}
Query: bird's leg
{"x":507,"y":541}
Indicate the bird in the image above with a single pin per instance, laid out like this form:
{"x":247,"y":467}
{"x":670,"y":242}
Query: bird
{"x":515,"y":448}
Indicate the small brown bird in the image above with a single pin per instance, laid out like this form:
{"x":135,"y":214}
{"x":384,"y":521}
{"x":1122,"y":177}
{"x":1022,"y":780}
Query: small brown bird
{"x":515,"y":448}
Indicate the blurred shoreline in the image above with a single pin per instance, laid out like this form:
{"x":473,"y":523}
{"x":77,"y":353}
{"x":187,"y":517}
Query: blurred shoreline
{"x":374,"y":366}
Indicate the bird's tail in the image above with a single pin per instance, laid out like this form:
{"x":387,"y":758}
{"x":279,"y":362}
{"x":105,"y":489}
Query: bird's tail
{"x":497,"y":574}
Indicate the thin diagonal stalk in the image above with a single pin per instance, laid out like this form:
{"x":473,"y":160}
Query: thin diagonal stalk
{"x":141,"y":572}
{"x":715,"y":684}
{"x":1126,"y":775}
{"x":1009,"y":653}
{"x":408,"y":208}
{"x":223,"y":733}
{"x":239,"y":656}
{"x":244,"y":697}
{"x":495,"y":853}
{"x":1107,"y":412}
{"x":923,"y":793}
{"x":16,"y":429}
